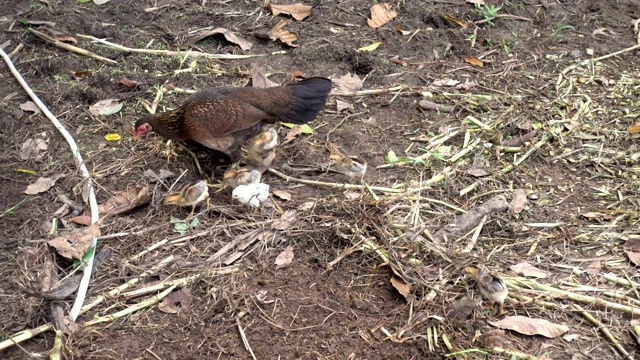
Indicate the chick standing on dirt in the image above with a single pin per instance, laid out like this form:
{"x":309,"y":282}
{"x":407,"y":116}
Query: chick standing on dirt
{"x":235,"y":177}
{"x":261,"y":150}
{"x":351,"y":166}
{"x":190,"y":195}
{"x":492,"y":287}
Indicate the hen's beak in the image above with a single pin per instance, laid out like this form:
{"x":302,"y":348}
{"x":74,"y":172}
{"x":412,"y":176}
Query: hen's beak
{"x":135,"y":135}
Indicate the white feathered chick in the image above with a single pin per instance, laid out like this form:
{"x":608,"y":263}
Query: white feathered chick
{"x":253,"y":194}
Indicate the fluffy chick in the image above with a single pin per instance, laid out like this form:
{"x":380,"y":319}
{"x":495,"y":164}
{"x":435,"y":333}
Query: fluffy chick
{"x":264,"y":141}
{"x":492,"y":287}
{"x":252,"y":194}
{"x":235,"y":176}
{"x":351,"y":166}
{"x":190,"y":195}
{"x":261,"y":150}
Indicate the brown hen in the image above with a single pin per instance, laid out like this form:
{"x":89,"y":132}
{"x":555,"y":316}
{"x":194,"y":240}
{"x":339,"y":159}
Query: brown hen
{"x":224,"y":118}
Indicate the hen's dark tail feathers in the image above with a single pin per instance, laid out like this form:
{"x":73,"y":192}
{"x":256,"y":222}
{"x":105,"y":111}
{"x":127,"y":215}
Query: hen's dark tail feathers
{"x":307,"y":99}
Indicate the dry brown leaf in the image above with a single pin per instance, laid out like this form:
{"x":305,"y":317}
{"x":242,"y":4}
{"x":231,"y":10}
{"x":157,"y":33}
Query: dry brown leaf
{"x":297,"y":11}
{"x":518,"y":202}
{"x":396,"y":60}
{"x":473,"y":61}
{"x":292,"y":133}
{"x":33,"y":147}
{"x":594,"y":215}
{"x":30,"y":106}
{"x":632,"y":248}
{"x":282,"y":194}
{"x":349,"y":83}
{"x":634,"y":129}
{"x":177,"y":302}
{"x":596,"y":266}
{"x":572,"y":125}
{"x":124,"y":201}
{"x":570,"y":337}
{"x":278,"y":32}
{"x":306,"y":206}
{"x":41,"y":185}
{"x":105,"y":107}
{"x":259,"y":77}
{"x":81,"y":219}
{"x":446,"y":82}
{"x":403,"y":287}
{"x":403,"y":32}
{"x":381,"y":14}
{"x":479,"y":2}
{"x":285,"y":258}
{"x":526,"y":269}
{"x":478,"y":172}
{"x":492,"y":338}
{"x":286,"y":221}
{"x":74,"y":245}
{"x":529,"y":326}
{"x":228,"y":34}
{"x":129,"y":83}
{"x":525,"y":125}
{"x":463,"y":24}
{"x":66,"y":39}
{"x":161,"y":175}
{"x":298,"y":74}
{"x":343,"y":105}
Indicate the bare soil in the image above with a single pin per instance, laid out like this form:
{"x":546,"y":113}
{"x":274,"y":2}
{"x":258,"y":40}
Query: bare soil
{"x":581,"y":180}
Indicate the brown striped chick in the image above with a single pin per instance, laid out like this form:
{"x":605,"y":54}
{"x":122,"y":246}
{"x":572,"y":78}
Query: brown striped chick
{"x":351,"y":166}
{"x":190,"y":195}
{"x":492,"y":287}
{"x":261,"y":150}
{"x":235,"y":176}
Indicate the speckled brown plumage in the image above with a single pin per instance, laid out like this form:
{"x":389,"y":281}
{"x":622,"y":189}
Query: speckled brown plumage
{"x":224,"y":118}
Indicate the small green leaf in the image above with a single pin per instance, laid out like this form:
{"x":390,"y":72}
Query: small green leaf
{"x":83,"y":1}
{"x":445,"y":338}
{"x":306,"y":129}
{"x":89,"y":254}
{"x":195,"y":222}
{"x":180,"y":228}
{"x":113,"y":110}
{"x":175,"y":220}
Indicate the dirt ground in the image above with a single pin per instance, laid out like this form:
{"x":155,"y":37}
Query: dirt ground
{"x":546,"y":121}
